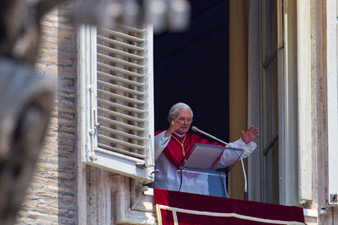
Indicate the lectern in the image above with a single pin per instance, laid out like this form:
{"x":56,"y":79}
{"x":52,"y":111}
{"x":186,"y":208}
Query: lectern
{"x":204,"y":171}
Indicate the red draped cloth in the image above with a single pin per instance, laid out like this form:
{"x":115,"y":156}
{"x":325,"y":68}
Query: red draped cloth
{"x":193,"y":209}
{"x":174,"y":152}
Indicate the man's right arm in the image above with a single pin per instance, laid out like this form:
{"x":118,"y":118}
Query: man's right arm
{"x":161,"y":142}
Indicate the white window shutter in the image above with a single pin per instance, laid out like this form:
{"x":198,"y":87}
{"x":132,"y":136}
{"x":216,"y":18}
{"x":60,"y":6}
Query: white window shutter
{"x":119,"y":111}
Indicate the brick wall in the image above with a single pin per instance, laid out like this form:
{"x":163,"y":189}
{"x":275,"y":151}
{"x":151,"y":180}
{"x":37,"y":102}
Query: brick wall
{"x":51,"y":198}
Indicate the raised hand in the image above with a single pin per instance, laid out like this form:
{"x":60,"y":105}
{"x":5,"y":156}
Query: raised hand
{"x":251,"y":134}
{"x":174,"y":125}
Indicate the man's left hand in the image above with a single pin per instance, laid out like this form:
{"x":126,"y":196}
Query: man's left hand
{"x":251,"y":134}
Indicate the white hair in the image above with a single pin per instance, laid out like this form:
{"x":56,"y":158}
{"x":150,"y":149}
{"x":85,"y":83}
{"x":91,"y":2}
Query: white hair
{"x":174,"y":109}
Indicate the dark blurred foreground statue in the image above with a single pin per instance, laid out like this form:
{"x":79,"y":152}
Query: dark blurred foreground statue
{"x":26,"y":97}
{"x":25,"y":106}
{"x":26,"y":100}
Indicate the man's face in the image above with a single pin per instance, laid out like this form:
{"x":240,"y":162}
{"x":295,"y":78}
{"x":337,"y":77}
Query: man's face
{"x":184,"y":119}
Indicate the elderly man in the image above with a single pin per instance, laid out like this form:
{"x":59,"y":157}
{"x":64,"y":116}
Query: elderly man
{"x":172,"y":144}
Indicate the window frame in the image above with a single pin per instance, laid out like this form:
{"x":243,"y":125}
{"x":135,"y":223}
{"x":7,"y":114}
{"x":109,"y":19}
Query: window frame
{"x":287,"y":105}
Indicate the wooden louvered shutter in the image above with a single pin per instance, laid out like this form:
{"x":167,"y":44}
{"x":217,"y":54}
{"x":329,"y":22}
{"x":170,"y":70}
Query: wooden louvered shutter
{"x":120,"y":95}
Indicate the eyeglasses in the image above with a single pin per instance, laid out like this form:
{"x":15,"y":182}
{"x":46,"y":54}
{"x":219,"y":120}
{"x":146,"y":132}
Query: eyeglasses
{"x":182,"y":119}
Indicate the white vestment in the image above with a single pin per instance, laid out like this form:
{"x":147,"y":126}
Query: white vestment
{"x":168,"y":177}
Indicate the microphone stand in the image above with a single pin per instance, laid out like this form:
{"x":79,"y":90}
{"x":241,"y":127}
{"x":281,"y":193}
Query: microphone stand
{"x":193,"y":128}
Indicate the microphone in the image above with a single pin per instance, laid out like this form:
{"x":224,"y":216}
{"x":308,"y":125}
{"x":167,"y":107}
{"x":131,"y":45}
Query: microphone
{"x":195,"y":129}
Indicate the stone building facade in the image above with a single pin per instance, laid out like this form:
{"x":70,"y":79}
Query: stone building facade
{"x":52,"y":198}
{"x":64,"y":190}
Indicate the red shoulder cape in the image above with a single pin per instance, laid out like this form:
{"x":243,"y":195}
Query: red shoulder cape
{"x":174,"y":152}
